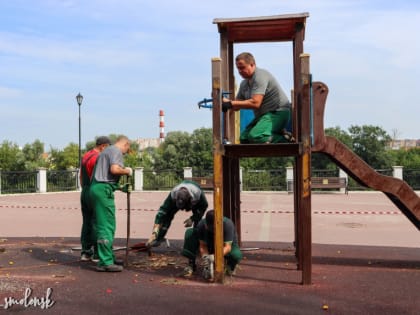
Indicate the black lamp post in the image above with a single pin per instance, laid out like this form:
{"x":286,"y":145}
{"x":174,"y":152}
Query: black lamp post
{"x":79,"y":99}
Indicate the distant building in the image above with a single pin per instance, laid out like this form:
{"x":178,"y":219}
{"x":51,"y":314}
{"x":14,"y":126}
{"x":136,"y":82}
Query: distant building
{"x":147,"y":143}
{"x":404,"y":144}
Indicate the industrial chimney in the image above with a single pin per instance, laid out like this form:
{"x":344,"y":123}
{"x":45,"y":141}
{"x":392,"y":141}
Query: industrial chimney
{"x":161,"y":126}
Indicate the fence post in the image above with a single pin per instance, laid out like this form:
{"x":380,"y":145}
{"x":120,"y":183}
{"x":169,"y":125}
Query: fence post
{"x":289,"y":178}
{"x":138,"y":179}
{"x":187,"y":172}
{"x":397,"y":172}
{"x":41,"y":180}
{"x":0,"y":181}
{"x":240,"y":179}
{"x":341,"y":173}
{"x":78,"y":186}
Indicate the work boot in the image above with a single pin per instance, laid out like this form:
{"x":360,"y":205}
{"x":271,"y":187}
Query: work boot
{"x":110,"y":268}
{"x":208,"y":267}
{"x":190,"y":269}
{"x":288,"y":135}
{"x":85,"y":257}
{"x":230,"y":271}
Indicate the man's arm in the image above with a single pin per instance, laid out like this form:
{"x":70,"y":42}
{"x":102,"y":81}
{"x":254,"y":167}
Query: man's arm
{"x":118,"y":170}
{"x":252,"y":103}
{"x":227,"y":247}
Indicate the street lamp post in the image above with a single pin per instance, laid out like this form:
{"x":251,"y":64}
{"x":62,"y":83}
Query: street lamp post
{"x":79,"y":99}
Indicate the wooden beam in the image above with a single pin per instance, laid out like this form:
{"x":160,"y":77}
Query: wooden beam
{"x":217,"y":171}
{"x":263,"y":150}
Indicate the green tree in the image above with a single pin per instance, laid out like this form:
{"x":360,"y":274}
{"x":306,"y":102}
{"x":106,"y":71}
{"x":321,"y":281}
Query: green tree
{"x":201,"y":155}
{"x":174,"y":152}
{"x":370,"y":143}
{"x":65,"y":159}
{"x":408,"y":158}
{"x":33,"y":155}
{"x":11,"y":157}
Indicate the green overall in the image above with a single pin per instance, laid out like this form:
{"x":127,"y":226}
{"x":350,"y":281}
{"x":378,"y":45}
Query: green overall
{"x":88,"y":233}
{"x":102,"y":196}
{"x":266,"y":128}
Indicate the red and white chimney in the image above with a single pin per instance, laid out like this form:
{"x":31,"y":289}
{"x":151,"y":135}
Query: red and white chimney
{"x":161,"y":126}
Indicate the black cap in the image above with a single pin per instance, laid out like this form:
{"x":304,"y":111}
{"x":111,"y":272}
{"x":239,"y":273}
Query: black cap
{"x":103,"y":140}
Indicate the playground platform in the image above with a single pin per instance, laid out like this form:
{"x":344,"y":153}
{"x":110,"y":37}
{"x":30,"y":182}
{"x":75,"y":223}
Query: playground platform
{"x":366,"y":260}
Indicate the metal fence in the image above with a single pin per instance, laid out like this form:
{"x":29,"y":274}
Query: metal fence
{"x":265,"y":180}
{"x":18,"y":182}
{"x":62,"y":180}
{"x":412,"y":177}
{"x":161,"y":180}
{"x":252,"y":180}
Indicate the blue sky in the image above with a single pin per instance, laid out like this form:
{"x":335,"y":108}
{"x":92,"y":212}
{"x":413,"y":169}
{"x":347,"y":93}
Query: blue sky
{"x":130,"y":59}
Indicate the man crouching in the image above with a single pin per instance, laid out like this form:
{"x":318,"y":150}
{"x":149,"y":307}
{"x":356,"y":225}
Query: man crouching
{"x":201,"y":239}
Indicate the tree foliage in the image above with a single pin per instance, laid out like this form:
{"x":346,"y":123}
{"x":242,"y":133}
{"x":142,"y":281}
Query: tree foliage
{"x":11,"y":157}
{"x":370,"y":143}
{"x":181,"y":149}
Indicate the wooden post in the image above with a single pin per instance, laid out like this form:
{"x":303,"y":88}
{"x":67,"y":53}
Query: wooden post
{"x":297,"y":89}
{"x":217,"y":171}
{"x":305,"y":176}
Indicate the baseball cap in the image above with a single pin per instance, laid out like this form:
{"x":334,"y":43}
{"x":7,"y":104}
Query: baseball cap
{"x":103,"y":140}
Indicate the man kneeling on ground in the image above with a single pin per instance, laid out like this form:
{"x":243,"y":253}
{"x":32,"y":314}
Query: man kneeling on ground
{"x":201,"y":239}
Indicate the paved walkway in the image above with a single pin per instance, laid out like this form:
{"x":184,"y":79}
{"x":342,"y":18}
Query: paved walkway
{"x":354,"y":219}
{"x":366,"y":260}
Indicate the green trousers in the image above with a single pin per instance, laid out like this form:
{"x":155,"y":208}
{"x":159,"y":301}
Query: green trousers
{"x":102,"y":196}
{"x":88,"y":233}
{"x":266,"y":128}
{"x":192,"y":245}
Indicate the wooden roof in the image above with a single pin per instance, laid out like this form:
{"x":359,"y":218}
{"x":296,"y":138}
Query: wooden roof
{"x":262,"y":29}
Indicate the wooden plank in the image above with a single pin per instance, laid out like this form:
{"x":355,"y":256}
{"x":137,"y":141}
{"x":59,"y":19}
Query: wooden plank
{"x":263,"y":150}
{"x":261,"y":29}
{"x":255,"y":19}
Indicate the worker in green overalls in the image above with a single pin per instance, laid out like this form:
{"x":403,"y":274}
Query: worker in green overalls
{"x":260,"y":92}
{"x":88,"y":234}
{"x":201,"y":241}
{"x":109,"y":167}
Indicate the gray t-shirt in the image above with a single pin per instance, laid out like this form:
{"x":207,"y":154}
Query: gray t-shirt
{"x":262,"y":82}
{"x":111,"y":155}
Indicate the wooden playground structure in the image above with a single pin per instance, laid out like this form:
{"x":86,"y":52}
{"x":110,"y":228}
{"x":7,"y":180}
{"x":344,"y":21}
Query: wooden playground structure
{"x":308,"y":104}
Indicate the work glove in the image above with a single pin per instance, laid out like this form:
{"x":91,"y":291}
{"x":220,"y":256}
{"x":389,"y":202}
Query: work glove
{"x":226,"y":106}
{"x":130,"y":170}
{"x":188,"y":223}
{"x":207,"y":263}
{"x":152,"y":241}
{"x":126,"y":188}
